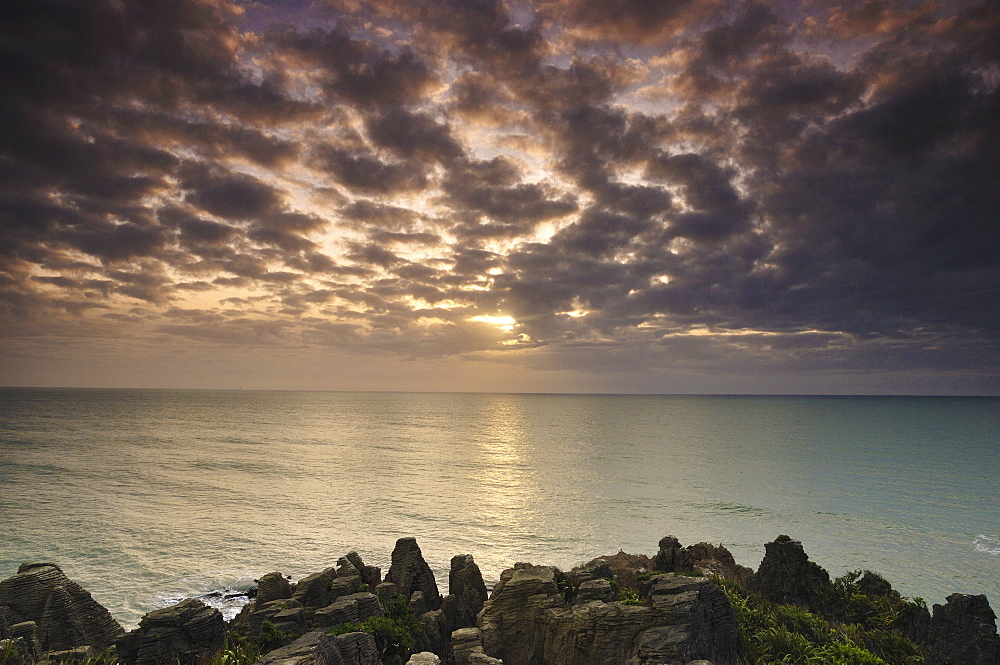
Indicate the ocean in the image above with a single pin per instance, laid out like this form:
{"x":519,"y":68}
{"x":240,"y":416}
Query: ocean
{"x":145,"y":497}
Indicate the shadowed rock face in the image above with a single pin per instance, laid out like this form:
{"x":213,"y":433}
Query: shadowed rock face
{"x":186,"y":633}
{"x":528,"y":623}
{"x":786,"y":575}
{"x":963,"y":632}
{"x":409,"y":572}
{"x":65,"y":614}
{"x":465,"y":583}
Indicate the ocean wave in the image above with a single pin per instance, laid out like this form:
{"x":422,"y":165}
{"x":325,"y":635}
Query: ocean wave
{"x":987,"y":544}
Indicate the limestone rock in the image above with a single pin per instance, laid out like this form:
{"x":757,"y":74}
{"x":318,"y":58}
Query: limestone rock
{"x":671,"y":557}
{"x":344,"y":586}
{"x":300,"y":652}
{"x":353,"y":648}
{"x":370,"y":575}
{"x":464,"y":643}
{"x":598,"y":589}
{"x":786,"y":575}
{"x":186,"y":633}
{"x":511,"y":618}
{"x":592,"y":570}
{"x":434,"y":632}
{"x":354,"y":608}
{"x":65,"y":614}
{"x":273,"y":586}
{"x":409,"y":572}
{"x":465,"y":583}
{"x":695,"y":621}
{"x":424,"y":658}
{"x":717,"y":560}
{"x":963,"y":632}
{"x":479,"y":658}
{"x":314,"y":590}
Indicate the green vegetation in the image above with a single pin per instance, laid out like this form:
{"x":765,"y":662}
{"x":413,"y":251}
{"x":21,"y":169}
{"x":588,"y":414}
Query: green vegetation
{"x":272,"y":637}
{"x":629,"y":595}
{"x":237,"y":653}
{"x":395,"y":633}
{"x":861,"y":623}
{"x":783,"y":538}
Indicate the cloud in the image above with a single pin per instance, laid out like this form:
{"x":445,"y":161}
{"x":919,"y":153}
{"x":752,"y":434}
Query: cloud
{"x":642,"y":187}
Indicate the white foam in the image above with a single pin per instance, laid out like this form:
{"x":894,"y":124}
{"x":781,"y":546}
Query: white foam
{"x":987,"y":544}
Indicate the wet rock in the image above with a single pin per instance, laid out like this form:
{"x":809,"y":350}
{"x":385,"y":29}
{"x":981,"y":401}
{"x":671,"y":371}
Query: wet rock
{"x":409,"y":572}
{"x":671,"y":557}
{"x":183,"y":633}
{"x":787,"y":576}
{"x":273,"y":586}
{"x":65,"y":614}
{"x":963,"y":631}
{"x":465,"y":583}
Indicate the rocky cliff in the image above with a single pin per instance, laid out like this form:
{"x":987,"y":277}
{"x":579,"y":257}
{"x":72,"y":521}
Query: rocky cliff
{"x":619,"y":609}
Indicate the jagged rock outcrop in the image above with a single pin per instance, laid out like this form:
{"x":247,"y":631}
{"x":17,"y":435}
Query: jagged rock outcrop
{"x":370,"y":575}
{"x":354,"y":608}
{"x":186,"y":633}
{"x":786,"y":575}
{"x":511,"y":619}
{"x":314,"y":590}
{"x":963,"y":631}
{"x":671,"y":557}
{"x":319,"y":648}
{"x":273,"y":586}
{"x":467,"y":647}
{"x":529,"y":623}
{"x":717,"y":560}
{"x":64,"y":613}
{"x":409,"y":572}
{"x":465,"y":584}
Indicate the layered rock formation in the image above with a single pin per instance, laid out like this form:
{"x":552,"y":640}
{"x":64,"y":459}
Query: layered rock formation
{"x":620,"y":609}
{"x":64,"y":614}
{"x":185,"y":633}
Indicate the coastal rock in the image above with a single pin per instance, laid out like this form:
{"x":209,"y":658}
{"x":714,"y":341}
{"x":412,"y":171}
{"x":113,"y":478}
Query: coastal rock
{"x":27,"y":632}
{"x":682,"y":619}
{"x":717,"y":560}
{"x":671,"y":557}
{"x":787,"y":576}
{"x":318,"y":648}
{"x":314,"y":590}
{"x":370,"y":575}
{"x":344,"y":586}
{"x":963,"y":632}
{"x":465,"y":583}
{"x":592,"y":570}
{"x":186,"y":633}
{"x":409,"y":572}
{"x":273,"y":586}
{"x":64,"y":613}
{"x":424,"y":658}
{"x":511,"y":619}
{"x":464,"y":643}
{"x":595,"y":590}
{"x":354,"y":608}
{"x":434,"y":632}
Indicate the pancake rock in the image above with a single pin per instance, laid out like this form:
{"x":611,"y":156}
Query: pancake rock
{"x":186,"y":633}
{"x":64,"y":613}
{"x":963,"y":631}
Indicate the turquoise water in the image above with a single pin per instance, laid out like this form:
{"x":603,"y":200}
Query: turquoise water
{"x":145,"y":497}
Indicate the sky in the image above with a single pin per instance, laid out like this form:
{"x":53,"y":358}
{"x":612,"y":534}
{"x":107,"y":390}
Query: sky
{"x":624,"y":196}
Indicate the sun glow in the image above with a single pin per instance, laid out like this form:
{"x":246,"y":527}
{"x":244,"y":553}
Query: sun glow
{"x":503,"y":322}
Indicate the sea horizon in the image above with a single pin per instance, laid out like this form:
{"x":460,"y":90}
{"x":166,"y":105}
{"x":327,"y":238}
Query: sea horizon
{"x":146,"y":496}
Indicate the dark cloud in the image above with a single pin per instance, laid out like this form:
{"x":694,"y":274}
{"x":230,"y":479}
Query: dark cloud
{"x":695,"y":184}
